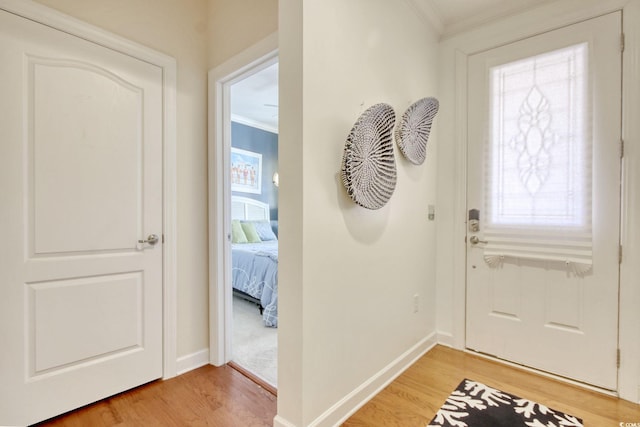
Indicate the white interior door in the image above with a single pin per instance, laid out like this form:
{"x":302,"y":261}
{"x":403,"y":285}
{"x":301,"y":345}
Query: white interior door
{"x":80,"y":184}
{"x":543,"y":183}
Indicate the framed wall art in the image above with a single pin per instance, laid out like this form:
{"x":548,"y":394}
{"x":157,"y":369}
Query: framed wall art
{"x":246,"y":171}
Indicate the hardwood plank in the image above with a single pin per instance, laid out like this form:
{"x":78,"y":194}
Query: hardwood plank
{"x":208,"y":396}
{"x":415,"y":396}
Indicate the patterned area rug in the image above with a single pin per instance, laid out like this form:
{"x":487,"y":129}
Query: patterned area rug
{"x":474,"y":404}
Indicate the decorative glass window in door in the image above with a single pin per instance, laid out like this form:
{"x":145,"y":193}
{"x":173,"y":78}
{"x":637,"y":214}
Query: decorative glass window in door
{"x":538,"y":154}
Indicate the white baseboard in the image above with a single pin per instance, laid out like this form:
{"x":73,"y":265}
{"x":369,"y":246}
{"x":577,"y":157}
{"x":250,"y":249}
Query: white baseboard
{"x":347,"y":406}
{"x":278,"y":421}
{"x":192,"y":361}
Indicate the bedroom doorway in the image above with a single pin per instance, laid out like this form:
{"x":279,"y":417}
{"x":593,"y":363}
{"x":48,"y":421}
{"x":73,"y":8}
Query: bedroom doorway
{"x":244,"y":214}
{"x":254,"y":184}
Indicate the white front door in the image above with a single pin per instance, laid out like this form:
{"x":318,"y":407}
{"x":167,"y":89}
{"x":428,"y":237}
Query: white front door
{"x":80,"y":184}
{"x":544,"y":201}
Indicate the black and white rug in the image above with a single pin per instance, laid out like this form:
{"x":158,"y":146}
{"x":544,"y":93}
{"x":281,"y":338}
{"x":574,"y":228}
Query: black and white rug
{"x":474,"y":404}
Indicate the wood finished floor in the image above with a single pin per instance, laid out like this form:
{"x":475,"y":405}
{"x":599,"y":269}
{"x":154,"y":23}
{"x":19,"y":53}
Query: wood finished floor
{"x":211,"y":396}
{"x":207,"y":396}
{"x":415,"y":396}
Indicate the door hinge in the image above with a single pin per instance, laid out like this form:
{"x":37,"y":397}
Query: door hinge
{"x":618,"y":358}
{"x":621,"y":148}
{"x":620,"y":254}
{"x":163,"y":239}
{"x":622,"y":42}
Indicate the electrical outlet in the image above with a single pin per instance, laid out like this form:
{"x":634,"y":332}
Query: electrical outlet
{"x":416,"y":303}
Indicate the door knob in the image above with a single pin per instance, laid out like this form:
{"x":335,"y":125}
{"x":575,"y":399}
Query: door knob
{"x":151,"y":239}
{"x":475,"y":240}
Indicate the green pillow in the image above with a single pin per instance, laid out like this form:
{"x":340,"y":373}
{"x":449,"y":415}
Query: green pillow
{"x":250,"y":231}
{"x":237,"y":234}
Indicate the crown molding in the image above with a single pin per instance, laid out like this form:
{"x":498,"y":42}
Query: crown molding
{"x":254,"y":123}
{"x":429,"y":13}
{"x":491,"y":14}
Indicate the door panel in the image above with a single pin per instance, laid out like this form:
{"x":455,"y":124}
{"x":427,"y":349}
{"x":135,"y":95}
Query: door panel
{"x":101,"y":211}
{"x":542,"y":276}
{"x":80,"y":184}
{"x":74,"y":312}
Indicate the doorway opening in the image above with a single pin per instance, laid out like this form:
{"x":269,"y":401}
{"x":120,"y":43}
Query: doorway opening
{"x":253,"y":162}
{"x":243,"y":236}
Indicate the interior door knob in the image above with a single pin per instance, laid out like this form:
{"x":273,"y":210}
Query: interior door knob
{"x":151,"y":239}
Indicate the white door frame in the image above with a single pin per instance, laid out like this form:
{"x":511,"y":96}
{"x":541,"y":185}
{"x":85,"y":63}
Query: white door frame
{"x":54,"y":19}
{"x":547,"y":17}
{"x":246,"y":63}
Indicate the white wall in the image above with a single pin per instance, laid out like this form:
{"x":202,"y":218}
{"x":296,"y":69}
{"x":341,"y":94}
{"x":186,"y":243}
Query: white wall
{"x":451,"y":167}
{"x":235,"y":25}
{"x":348,"y":275}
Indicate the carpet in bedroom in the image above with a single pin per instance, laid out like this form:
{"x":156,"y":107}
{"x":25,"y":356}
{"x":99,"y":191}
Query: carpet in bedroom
{"x":255,"y":346}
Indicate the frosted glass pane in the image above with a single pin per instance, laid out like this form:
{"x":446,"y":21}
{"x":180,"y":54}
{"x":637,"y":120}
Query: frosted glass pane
{"x":539,"y":149}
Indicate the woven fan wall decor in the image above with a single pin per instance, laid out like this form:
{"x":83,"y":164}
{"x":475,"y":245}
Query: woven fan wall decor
{"x":413,"y":130}
{"x":368,"y":163}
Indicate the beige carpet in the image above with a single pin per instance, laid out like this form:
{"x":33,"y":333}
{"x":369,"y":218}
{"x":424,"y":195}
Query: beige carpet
{"x":255,"y":346}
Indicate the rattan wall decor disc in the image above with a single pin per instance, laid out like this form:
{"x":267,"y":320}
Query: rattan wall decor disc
{"x":413,"y":129}
{"x":368,"y":163}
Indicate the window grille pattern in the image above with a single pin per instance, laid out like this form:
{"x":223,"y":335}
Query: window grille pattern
{"x":539,"y":145}
{"x":538,"y":160}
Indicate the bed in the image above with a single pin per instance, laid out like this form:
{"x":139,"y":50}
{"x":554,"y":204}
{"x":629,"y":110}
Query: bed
{"x":254,"y":257}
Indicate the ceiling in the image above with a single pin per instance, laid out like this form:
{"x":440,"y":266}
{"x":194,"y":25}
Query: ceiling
{"x":254,"y":100}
